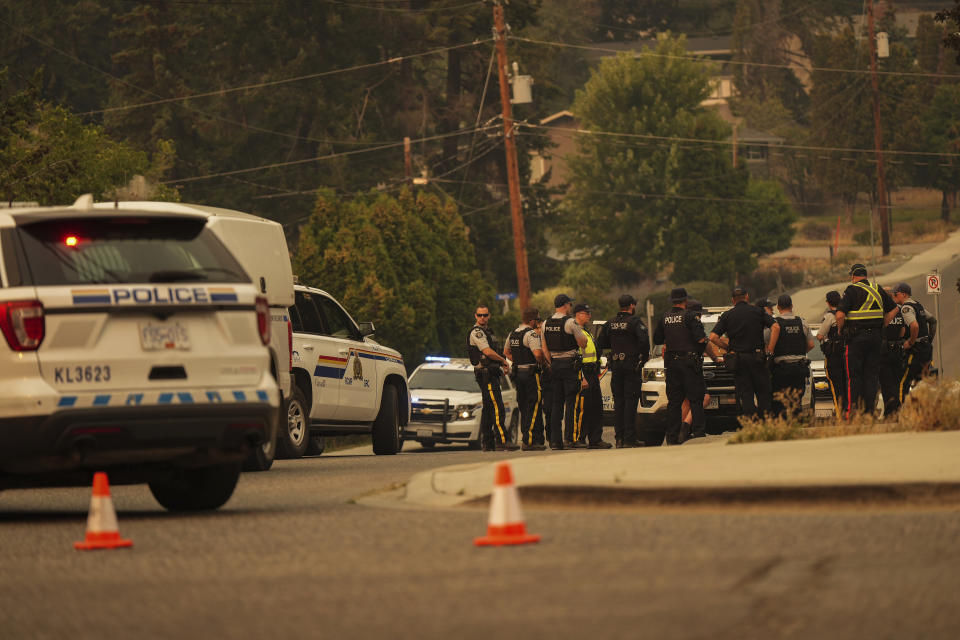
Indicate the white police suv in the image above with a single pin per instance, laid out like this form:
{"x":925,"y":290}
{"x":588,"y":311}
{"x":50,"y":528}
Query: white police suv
{"x":344,"y":382}
{"x":134,"y":344}
{"x":446,"y":404}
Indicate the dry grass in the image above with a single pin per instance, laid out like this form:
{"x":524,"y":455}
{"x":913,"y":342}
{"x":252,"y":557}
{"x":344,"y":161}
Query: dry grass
{"x":932,"y":406}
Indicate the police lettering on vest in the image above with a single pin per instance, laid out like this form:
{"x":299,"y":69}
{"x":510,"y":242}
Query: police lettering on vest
{"x":677,"y":336}
{"x":792,"y":340}
{"x":522,"y":355}
{"x":624,"y":345}
{"x":893,"y":331}
{"x":556,"y":338}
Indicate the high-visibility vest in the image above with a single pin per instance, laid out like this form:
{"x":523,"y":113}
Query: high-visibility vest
{"x":872,"y":307}
{"x":589,"y":352}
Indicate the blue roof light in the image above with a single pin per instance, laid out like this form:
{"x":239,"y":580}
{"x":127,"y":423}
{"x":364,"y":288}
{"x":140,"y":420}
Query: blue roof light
{"x":437,"y":359}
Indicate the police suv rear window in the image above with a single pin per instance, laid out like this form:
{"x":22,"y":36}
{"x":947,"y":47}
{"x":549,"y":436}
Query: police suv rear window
{"x":126,"y":250}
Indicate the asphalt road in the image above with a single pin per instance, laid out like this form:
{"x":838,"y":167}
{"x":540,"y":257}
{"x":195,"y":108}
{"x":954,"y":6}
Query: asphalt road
{"x":291,"y":556}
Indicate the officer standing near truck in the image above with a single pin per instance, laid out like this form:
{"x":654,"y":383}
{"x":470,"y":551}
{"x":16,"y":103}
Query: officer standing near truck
{"x":744,"y":325}
{"x":488,"y":366}
{"x":832,"y":346}
{"x":562,"y":339}
{"x":918,"y":345}
{"x":892,"y":360}
{"x":523,"y":348}
{"x":628,"y":340}
{"x":864,"y":310}
{"x":682,"y":335}
{"x":588,"y":417}
{"x":790,"y":341}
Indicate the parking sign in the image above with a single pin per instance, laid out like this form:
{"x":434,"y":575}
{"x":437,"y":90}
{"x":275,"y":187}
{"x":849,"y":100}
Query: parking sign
{"x":933,"y":283}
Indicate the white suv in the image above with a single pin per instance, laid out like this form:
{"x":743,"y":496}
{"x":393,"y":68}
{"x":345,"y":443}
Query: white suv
{"x":447,"y":403}
{"x":135,"y":344}
{"x":344,"y":382}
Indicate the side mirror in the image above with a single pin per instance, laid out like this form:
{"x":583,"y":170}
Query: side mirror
{"x":367,"y":329}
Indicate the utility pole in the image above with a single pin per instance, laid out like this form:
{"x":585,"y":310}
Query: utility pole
{"x":882,"y":206}
{"x":510,"y":146}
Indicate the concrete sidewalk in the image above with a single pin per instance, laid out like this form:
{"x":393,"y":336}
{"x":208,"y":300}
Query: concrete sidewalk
{"x":879,"y":462}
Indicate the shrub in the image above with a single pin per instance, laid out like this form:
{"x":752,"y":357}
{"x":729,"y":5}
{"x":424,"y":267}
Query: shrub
{"x":863,"y":237}
{"x":816,"y":231}
{"x":932,"y":406}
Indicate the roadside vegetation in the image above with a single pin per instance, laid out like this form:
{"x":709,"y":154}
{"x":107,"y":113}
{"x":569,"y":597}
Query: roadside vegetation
{"x":933,"y":406}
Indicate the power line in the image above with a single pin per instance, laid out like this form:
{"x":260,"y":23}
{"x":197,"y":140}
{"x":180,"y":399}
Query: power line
{"x":331,"y":156}
{"x":273,"y":83}
{"x":700,"y":59}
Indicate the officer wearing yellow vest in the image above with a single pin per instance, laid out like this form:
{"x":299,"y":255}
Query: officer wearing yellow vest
{"x":864,"y":310}
{"x":588,"y":413}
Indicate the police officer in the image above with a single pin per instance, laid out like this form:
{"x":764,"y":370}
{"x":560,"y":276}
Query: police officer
{"x":488,"y":366}
{"x":790,"y":341}
{"x":588,"y":416}
{"x":523,"y":347}
{"x":832,"y":346}
{"x":767,"y":306}
{"x":627,"y":338}
{"x":864,"y":310}
{"x":682,"y":335}
{"x":918,"y":345}
{"x":562,"y":339}
{"x":744,"y":324}
{"x":892,"y":363}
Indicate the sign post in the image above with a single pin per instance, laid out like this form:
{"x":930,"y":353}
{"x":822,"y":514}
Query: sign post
{"x":506,"y":298}
{"x":934,"y":289}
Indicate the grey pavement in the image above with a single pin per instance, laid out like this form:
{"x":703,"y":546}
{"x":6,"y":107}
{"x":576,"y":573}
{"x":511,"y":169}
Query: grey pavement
{"x":823,"y":251}
{"x":888,"y":460}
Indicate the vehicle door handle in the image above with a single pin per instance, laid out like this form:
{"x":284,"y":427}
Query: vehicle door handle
{"x":308,"y":347}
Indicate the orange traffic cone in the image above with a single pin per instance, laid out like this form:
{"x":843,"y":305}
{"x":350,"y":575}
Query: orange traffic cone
{"x":102,"y":532}
{"x":505,"y":524}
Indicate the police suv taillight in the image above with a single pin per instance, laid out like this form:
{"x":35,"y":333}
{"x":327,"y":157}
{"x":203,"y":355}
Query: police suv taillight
{"x":22,"y":324}
{"x":263,"y":319}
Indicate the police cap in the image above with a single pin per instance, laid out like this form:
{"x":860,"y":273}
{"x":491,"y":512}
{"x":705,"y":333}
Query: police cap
{"x":678,"y":294}
{"x":764,"y":303}
{"x":626,"y":300}
{"x":561,"y":300}
{"x":903,"y":287}
{"x":785,"y":301}
{"x":582,"y":307}
{"x":738,"y":291}
{"x":858,"y":270}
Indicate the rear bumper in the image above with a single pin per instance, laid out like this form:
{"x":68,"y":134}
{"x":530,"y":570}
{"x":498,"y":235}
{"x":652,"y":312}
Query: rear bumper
{"x":184,"y":435}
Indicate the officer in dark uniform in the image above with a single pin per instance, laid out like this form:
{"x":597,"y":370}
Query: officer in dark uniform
{"x":918,"y":343}
{"x":682,"y":334}
{"x":561,"y":344}
{"x":744,"y":325}
{"x":864,"y":310}
{"x":832,"y":346}
{"x":627,"y":338}
{"x":892,"y":367}
{"x":790,"y":341}
{"x":523,"y":347}
{"x":488,"y":365}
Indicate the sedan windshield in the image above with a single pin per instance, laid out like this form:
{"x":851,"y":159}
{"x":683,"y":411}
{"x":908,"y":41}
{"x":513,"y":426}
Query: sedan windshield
{"x":444,"y":379}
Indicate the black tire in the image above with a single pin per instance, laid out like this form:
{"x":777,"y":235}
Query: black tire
{"x":261,"y":458}
{"x":316,"y":445}
{"x":386,"y":428}
{"x":294,"y":436}
{"x":428,"y":444}
{"x":200,"y":489}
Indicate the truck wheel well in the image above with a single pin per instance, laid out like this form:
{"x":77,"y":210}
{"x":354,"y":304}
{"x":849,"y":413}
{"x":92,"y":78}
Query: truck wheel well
{"x":402,"y":395}
{"x":302,"y":379}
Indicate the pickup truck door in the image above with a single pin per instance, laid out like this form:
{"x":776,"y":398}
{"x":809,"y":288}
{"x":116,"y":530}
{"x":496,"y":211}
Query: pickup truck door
{"x":358,"y":387}
{"x":318,"y":355}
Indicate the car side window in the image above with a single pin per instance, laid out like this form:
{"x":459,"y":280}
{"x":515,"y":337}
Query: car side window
{"x":296,"y":324}
{"x":310,"y":320}
{"x":339,"y":323}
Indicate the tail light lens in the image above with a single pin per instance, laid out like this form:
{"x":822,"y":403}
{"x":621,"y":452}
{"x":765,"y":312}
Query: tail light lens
{"x":263,"y":319}
{"x":22,"y":324}
{"x":290,"y":344}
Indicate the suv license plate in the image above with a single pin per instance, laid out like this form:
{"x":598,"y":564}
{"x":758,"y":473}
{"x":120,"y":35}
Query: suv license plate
{"x":424,"y":433}
{"x":713,"y":403}
{"x":160,"y":337}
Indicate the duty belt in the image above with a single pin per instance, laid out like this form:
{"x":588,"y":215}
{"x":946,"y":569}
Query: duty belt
{"x":573,"y":354}
{"x":683,"y":354}
{"x":525,"y":367}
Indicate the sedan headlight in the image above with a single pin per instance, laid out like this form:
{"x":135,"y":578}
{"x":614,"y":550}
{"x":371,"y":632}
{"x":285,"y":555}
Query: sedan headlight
{"x":650,"y":375}
{"x":467,"y":411}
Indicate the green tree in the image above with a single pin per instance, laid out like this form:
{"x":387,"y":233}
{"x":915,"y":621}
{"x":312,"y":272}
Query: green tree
{"x":404,"y":262}
{"x":941,"y":134}
{"x":638,"y":205}
{"x":951,"y":17}
{"x":49,"y":156}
